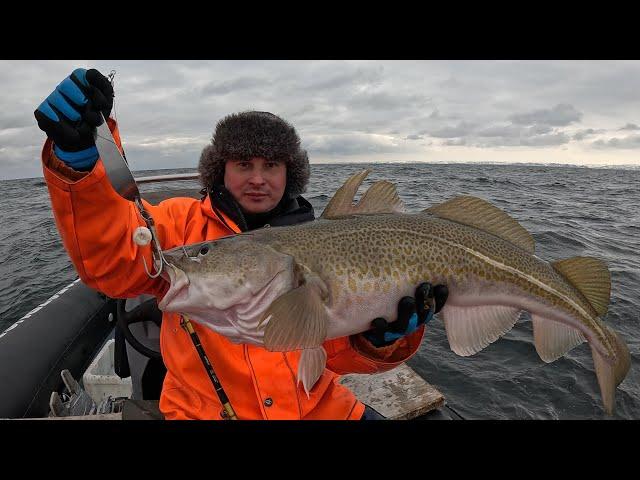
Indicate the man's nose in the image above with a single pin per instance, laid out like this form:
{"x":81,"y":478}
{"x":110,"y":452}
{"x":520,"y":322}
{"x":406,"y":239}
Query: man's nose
{"x":257,"y":178}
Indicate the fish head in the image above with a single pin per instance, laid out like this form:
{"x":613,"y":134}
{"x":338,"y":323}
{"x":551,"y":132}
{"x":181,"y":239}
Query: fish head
{"x":228,"y":281}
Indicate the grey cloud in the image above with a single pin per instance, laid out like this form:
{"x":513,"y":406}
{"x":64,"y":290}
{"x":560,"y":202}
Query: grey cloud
{"x":450,"y":82}
{"x":25,"y":137}
{"x":559,"y":138}
{"x":560,"y":115}
{"x":323,"y":99}
{"x":388,"y":101}
{"x":514,"y":131}
{"x":413,"y":137}
{"x":235,"y":85}
{"x":17,"y":121}
{"x":360,"y":76}
{"x":456,"y":142}
{"x":141,"y":158}
{"x":347,"y":145}
{"x":537,"y":130}
{"x":500,"y":131}
{"x":20,"y":162}
{"x":545,"y":140}
{"x":630,"y":142}
{"x":460,"y":130}
{"x":582,"y":134}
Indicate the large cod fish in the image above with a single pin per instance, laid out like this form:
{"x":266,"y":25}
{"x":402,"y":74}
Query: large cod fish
{"x":290,"y":288}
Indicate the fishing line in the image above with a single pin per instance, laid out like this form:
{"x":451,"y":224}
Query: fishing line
{"x":111,"y":77}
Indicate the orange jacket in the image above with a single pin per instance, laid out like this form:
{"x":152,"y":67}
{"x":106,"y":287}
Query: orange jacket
{"x":96,"y":227}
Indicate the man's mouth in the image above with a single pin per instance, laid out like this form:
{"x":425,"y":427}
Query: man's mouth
{"x":256,"y":195}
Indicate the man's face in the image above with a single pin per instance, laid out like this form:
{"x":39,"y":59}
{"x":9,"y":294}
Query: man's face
{"x":256,"y":184}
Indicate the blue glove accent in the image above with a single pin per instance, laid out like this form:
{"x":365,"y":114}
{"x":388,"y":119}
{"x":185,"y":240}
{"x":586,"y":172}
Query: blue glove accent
{"x":81,"y":74}
{"x":82,"y":160}
{"x":411,"y":327}
{"x":57,"y":100}
{"x":45,"y":108}
{"x":71,"y":90}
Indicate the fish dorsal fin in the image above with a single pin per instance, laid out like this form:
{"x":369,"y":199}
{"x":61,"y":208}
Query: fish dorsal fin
{"x":591,"y":277}
{"x":341,"y":204}
{"x":480,"y":214}
{"x":381,"y":197}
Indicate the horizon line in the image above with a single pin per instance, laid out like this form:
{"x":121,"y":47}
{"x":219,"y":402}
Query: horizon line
{"x":629,"y":166}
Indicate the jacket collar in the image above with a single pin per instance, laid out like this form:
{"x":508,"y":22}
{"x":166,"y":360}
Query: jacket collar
{"x":289,"y":211}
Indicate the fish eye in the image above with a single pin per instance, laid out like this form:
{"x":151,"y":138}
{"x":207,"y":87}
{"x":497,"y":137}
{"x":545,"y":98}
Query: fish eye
{"x":204,"y":250}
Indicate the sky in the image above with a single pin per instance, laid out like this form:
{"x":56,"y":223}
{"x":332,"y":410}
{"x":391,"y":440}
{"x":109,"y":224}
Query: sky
{"x":500,"y":111}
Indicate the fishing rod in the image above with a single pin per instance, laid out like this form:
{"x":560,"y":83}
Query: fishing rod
{"x":123,"y":182}
{"x":185,"y":323}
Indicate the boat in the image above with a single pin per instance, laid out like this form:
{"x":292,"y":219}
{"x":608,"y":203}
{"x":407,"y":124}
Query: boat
{"x":82,"y":355}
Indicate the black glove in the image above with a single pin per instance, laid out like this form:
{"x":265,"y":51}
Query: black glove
{"x":69,"y":115}
{"x":412,"y":313}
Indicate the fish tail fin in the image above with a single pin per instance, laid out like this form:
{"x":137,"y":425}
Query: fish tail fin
{"x":611,"y":374}
{"x":591,"y":277}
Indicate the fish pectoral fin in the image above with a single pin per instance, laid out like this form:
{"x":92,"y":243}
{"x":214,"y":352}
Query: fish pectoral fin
{"x":591,"y":277}
{"x":478,"y":213}
{"x":296,"y":319}
{"x":611,"y":373}
{"x":554,"y":339}
{"x":470,"y":329}
{"x":311,"y":366}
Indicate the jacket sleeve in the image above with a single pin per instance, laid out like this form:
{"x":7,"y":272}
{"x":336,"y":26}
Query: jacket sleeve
{"x":96,"y":226}
{"x":355,"y":354}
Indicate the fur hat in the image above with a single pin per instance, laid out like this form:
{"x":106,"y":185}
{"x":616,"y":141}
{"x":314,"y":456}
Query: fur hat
{"x":255,"y":134}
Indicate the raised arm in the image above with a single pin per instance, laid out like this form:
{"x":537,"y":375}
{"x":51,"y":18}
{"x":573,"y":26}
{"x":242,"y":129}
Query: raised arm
{"x":95,"y":223}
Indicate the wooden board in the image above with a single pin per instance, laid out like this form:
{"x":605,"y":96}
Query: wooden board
{"x":399,"y":394}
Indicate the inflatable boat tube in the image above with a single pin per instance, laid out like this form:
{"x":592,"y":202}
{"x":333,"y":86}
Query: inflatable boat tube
{"x":64,"y":332}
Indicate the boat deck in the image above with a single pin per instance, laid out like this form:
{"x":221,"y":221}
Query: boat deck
{"x":398,"y":394}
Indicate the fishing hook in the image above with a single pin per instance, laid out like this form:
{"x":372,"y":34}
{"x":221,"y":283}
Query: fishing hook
{"x":156,"y":253}
{"x":186,"y":254}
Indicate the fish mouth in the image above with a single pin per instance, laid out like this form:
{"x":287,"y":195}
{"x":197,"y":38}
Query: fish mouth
{"x":179,"y":280}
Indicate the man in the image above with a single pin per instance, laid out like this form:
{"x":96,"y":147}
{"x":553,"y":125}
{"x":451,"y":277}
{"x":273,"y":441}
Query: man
{"x":253,"y":174}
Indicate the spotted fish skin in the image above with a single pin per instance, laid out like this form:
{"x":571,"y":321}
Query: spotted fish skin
{"x":387,"y":255}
